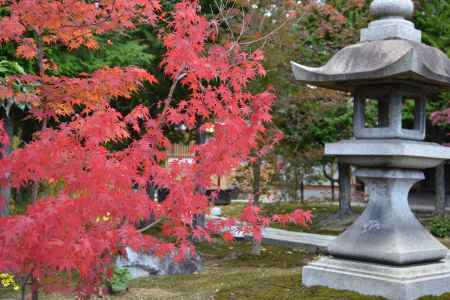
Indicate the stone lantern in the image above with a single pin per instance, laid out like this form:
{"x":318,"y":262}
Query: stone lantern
{"x":386,"y":252}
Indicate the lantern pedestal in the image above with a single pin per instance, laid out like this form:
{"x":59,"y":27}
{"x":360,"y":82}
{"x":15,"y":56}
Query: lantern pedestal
{"x":386,"y":252}
{"x":391,"y":282}
{"x":387,"y":232}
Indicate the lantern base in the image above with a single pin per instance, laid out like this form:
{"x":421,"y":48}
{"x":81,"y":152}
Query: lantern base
{"x":391,"y":282}
{"x":387,"y":232}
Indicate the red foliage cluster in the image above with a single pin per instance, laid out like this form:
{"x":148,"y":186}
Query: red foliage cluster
{"x":441,"y":117}
{"x":101,"y":194}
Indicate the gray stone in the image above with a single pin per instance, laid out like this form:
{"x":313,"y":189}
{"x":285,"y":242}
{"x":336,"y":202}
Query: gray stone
{"x":309,"y":241}
{"x":392,"y":23}
{"x":390,"y":100}
{"x":391,"y":282}
{"x":389,"y":153}
{"x":147,"y":264}
{"x":392,"y":8}
{"x":387,"y":231}
{"x":378,"y":62}
{"x":391,"y":29}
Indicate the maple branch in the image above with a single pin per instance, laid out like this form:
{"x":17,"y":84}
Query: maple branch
{"x":265,"y":37}
{"x":40,"y":53}
{"x":145,"y":228}
{"x":179,"y":76}
{"x":41,"y":70}
{"x":224,"y":18}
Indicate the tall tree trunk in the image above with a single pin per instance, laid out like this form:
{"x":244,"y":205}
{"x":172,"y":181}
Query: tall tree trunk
{"x":35,"y":186}
{"x":23,"y":290}
{"x":41,"y":68}
{"x":34,"y":289}
{"x":333,"y":191}
{"x":199,"y":220}
{"x":256,"y":184}
{"x":302,"y":190}
{"x":330,"y":177}
{"x":34,"y":295}
{"x":296,"y":184}
{"x":5,"y":191}
{"x":440,"y":187}
{"x":345,"y":189}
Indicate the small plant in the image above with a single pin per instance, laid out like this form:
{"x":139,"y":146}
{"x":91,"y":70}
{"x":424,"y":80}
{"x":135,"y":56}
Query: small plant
{"x":7,"y":280}
{"x":119,"y":281}
{"x":440,"y":226}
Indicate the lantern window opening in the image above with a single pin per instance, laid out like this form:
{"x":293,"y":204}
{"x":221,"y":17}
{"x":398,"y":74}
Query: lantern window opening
{"x":389,"y":111}
{"x":376,"y":112}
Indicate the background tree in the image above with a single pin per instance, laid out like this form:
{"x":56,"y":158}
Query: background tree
{"x":432,"y":18}
{"x":309,"y":32}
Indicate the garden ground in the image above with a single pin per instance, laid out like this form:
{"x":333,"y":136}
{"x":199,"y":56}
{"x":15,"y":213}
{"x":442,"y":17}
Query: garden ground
{"x":231,"y":273}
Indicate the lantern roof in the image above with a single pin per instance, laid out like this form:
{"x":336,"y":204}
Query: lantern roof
{"x":390,"y":51}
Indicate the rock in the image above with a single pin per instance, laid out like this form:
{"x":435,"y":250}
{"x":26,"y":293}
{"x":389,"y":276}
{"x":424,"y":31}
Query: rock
{"x":147,"y":264}
{"x":216,"y":211}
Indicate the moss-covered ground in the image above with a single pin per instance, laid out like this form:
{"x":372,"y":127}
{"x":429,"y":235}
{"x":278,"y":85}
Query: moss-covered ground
{"x":231,"y":273}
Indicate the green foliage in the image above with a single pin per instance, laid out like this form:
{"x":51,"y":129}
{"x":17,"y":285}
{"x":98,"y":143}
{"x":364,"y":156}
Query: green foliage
{"x":8,"y":68}
{"x":432,"y":17}
{"x":115,"y":50}
{"x":335,"y":124}
{"x":440,"y":226}
{"x":120,"y":280}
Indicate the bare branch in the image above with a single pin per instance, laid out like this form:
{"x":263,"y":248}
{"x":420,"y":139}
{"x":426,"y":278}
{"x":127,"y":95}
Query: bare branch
{"x":145,"y":228}
{"x":265,"y":37}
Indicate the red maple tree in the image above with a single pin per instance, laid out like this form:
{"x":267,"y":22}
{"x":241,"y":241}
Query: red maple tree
{"x":75,"y":235}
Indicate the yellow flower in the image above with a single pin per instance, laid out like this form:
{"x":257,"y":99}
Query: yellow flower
{"x":104,"y":218}
{"x":7,"y":280}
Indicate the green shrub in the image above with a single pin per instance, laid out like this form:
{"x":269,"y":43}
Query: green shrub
{"x":120,"y":280}
{"x":440,"y":226}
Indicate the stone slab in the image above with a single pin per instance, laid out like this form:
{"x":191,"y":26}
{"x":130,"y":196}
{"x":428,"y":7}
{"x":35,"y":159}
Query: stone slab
{"x":309,"y":241}
{"x":389,"y":153}
{"x":393,"y":283}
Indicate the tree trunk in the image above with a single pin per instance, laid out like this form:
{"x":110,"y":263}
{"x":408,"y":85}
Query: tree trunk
{"x":5,"y":191}
{"x":34,"y":289}
{"x":441,"y":197}
{"x":256,"y":247}
{"x":333,"y":192}
{"x":296,"y":184}
{"x":302,"y":191}
{"x":331,"y":179}
{"x":23,"y":289}
{"x":256,"y":170}
{"x":41,"y":66}
{"x":199,"y":220}
{"x":345,"y":189}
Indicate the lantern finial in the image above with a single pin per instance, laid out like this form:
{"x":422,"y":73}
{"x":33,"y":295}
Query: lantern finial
{"x":392,"y":9}
{"x":391,"y":23}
